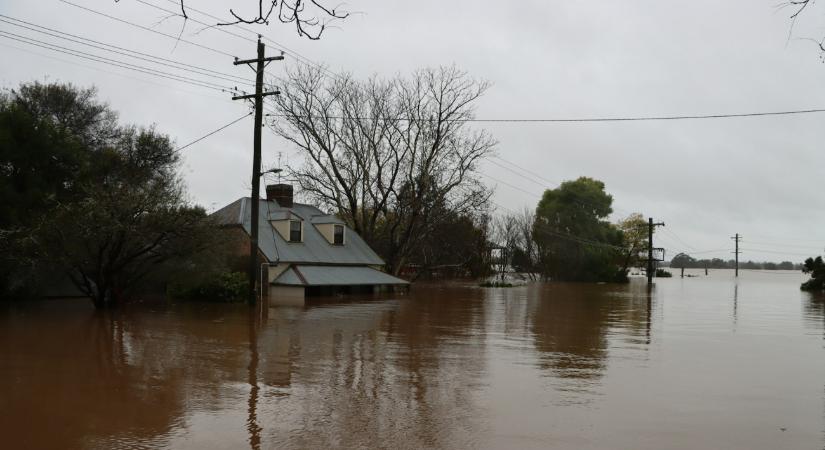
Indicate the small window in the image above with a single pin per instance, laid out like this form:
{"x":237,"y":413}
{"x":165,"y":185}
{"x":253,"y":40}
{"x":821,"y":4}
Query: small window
{"x":295,"y":231}
{"x":338,"y":236}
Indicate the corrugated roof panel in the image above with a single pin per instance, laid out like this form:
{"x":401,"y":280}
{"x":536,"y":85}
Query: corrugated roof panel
{"x":314,"y":249}
{"x":326,"y":219}
{"x":304,"y":275}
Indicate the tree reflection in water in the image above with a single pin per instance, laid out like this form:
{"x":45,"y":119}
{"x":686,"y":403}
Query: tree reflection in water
{"x":366,"y":373}
{"x":571,"y":323}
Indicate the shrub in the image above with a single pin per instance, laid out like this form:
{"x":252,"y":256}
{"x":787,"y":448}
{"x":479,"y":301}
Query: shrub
{"x":662,"y":273}
{"x":495,"y":284}
{"x":815,"y":267}
{"x":227,"y":287}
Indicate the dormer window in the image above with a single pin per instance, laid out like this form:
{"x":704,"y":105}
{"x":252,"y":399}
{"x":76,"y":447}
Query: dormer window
{"x":338,"y":235}
{"x":295,"y":234}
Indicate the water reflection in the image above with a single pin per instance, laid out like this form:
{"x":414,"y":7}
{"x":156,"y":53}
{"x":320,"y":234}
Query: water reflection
{"x":572,"y":324}
{"x":570,"y":327}
{"x":735,"y":302}
{"x":814,"y":310}
{"x":447,"y":366}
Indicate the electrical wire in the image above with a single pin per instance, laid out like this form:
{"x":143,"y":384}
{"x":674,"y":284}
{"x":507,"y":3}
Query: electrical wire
{"x":510,"y":185}
{"x":213,"y":132}
{"x":582,"y":119}
{"x":176,"y":38}
{"x":298,"y":56}
{"x":777,"y":245}
{"x":113,"y":62}
{"x":124,"y":51}
{"x":758,"y":250}
{"x":670,"y":232}
{"x":98,"y":69}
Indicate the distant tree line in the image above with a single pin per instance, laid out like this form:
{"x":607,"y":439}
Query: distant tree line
{"x":688,"y":262}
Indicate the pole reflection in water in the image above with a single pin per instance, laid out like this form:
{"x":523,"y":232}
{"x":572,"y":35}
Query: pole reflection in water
{"x":551,"y":365}
{"x":735,"y":301}
{"x":252,"y":426}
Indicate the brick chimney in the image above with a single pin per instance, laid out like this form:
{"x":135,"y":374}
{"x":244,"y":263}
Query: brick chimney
{"x":281,"y":193}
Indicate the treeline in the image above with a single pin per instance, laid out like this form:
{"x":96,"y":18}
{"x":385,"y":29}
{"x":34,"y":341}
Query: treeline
{"x":688,"y":262}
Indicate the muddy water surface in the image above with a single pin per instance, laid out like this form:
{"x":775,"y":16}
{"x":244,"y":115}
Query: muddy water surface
{"x":704,"y":362}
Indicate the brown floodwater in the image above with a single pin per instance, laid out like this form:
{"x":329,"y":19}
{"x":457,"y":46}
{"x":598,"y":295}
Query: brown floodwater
{"x":704,"y":362}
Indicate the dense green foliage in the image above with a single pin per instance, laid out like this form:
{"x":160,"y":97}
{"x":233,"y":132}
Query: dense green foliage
{"x":87,"y":198}
{"x":662,"y":273}
{"x":227,"y":287}
{"x":457,"y":247}
{"x":815,"y":267}
{"x":575,"y":241}
{"x":496,"y":284}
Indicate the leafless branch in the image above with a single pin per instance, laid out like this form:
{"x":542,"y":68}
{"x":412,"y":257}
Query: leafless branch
{"x":307,"y":22}
{"x":391,"y":157}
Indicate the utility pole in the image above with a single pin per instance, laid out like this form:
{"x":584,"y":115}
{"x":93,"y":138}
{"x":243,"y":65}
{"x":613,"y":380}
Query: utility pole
{"x":261,"y":62}
{"x":737,"y":238}
{"x":650,"y":227}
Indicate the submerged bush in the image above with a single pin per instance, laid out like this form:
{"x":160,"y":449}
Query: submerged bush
{"x":495,"y":284}
{"x":228,"y":287}
{"x":815,"y":267}
{"x":662,"y":273}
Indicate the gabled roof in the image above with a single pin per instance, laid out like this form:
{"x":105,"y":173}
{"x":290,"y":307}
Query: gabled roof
{"x":315,"y":248}
{"x":300,"y":275}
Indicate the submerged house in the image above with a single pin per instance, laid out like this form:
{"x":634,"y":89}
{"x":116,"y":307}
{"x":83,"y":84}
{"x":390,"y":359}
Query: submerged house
{"x":306,"y":251}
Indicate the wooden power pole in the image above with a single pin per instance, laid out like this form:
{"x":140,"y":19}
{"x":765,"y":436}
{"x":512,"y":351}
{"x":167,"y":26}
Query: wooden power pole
{"x":736,"y":239}
{"x":650,"y":227}
{"x":261,"y":62}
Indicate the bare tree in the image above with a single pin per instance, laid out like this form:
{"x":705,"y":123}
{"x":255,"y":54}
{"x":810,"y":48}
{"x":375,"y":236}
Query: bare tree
{"x":514,"y":232}
{"x":389,"y":156}
{"x":309,"y":23}
{"x":797,"y":8}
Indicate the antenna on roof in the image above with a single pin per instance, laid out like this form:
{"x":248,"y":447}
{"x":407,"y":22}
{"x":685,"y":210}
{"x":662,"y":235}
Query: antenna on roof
{"x":279,"y":167}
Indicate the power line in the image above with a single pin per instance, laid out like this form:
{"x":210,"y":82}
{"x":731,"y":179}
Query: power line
{"x":525,"y":170}
{"x":510,"y":185}
{"x":579,"y":120}
{"x":786,"y":239}
{"x":124,"y":51}
{"x":214,"y":131}
{"x":778,"y":245}
{"x":567,"y":236}
{"x":678,"y":239}
{"x":176,"y":38}
{"x":776,"y":252}
{"x":298,"y":56}
{"x":98,"y":69}
{"x":114,"y":62}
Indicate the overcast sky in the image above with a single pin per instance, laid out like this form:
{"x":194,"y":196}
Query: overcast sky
{"x":706,"y":179}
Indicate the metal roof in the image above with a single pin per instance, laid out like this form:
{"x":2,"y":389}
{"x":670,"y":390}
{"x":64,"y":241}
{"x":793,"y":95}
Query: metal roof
{"x":328,"y":218}
{"x":302,"y":275}
{"x":314,"y":249}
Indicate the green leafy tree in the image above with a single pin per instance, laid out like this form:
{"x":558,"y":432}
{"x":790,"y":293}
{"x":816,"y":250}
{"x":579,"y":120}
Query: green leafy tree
{"x":574,"y":239}
{"x":114,"y":212}
{"x":683,"y":261}
{"x":634,"y":230}
{"x":47,"y":134}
